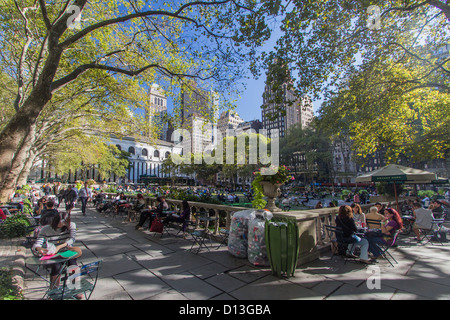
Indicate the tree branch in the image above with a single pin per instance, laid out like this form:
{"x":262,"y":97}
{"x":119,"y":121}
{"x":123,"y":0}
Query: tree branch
{"x":125,"y":18}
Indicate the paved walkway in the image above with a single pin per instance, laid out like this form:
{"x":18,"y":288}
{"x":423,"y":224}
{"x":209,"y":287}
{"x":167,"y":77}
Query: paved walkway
{"x":140,"y":266}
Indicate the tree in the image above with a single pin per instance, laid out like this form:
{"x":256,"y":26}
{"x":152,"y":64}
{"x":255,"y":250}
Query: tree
{"x":308,"y":153}
{"x":386,"y":87}
{"x":83,"y":154}
{"x":411,"y":125}
{"x":119,"y":44}
{"x":168,"y":167}
{"x":323,"y":42}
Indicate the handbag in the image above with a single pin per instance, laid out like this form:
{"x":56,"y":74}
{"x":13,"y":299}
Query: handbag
{"x":157,"y":225}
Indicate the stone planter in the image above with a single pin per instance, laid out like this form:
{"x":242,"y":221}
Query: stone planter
{"x":271,"y":191}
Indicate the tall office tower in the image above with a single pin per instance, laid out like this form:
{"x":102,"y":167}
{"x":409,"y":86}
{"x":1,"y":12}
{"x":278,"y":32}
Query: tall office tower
{"x":157,"y":110}
{"x":229,"y":120}
{"x":199,"y":115}
{"x":305,"y":111}
{"x":298,"y":111}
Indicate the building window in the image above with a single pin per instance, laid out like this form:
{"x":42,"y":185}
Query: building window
{"x":118,"y":146}
{"x":156,"y":153}
{"x":144,"y":152}
{"x":131,"y":150}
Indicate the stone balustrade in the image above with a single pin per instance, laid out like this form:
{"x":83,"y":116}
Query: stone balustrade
{"x":313,"y":239}
{"x":222,"y":213}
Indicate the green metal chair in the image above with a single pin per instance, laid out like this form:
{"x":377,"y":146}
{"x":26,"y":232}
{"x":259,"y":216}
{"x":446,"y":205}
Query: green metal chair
{"x":80,"y":280}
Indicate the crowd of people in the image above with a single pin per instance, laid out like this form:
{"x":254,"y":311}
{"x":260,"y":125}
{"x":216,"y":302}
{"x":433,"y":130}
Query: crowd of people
{"x":352,"y":221}
{"x":382,"y":224}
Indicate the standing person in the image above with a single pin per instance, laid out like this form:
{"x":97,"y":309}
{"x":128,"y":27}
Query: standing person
{"x":60,"y":195}
{"x":47,"y":189}
{"x":70,"y":197}
{"x":356,"y":198}
{"x":84,"y":194}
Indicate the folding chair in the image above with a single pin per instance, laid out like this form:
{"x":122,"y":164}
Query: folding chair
{"x":385,"y":249}
{"x":433,"y":234}
{"x":199,"y":237}
{"x":77,"y":280}
{"x":338,"y":243}
{"x":373,"y":224}
{"x":224,"y":234}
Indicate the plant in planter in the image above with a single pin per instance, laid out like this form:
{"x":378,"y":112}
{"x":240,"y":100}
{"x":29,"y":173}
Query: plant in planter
{"x":269,"y":186}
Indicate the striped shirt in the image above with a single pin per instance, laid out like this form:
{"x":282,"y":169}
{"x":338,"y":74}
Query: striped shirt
{"x":56,"y":237}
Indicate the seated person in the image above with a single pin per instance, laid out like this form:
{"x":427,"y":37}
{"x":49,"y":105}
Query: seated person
{"x":60,"y":236}
{"x":2,"y":215}
{"x":121,"y":202}
{"x":380,"y":208}
{"x":162,"y":206}
{"x":49,"y":212}
{"x":40,"y":207}
{"x":374,"y":215}
{"x":389,"y":226}
{"x":138,"y":206}
{"x":345,"y":221}
{"x":358,"y":215}
{"x":185,"y":215}
{"x":437,"y":209}
{"x":423,"y":219}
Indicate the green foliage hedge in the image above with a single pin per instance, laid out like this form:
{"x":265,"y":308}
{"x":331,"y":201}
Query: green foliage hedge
{"x":14,"y":226}
{"x":8,"y":291}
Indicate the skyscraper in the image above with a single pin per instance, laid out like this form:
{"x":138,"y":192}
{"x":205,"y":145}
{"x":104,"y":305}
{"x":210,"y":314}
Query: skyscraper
{"x":229,"y":120}
{"x":157,"y":110}
{"x":199,"y":115}
{"x":297,"y":111}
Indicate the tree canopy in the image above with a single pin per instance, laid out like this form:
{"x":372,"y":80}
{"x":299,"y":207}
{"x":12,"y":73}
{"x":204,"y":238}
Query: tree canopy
{"x":383,"y":87}
{"x":105,"y":62}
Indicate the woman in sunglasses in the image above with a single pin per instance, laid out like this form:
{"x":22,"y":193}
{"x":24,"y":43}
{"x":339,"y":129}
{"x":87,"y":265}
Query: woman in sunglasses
{"x":389,"y":225}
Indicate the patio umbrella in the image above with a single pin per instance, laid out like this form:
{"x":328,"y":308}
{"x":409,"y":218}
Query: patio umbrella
{"x":397,"y":174}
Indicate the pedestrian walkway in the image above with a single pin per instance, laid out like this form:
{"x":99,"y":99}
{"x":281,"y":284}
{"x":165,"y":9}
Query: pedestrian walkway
{"x":138,"y":266}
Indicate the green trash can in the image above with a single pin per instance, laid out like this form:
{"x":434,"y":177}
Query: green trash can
{"x":282,"y":243}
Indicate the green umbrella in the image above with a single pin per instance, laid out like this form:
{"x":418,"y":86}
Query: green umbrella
{"x":397,"y":174}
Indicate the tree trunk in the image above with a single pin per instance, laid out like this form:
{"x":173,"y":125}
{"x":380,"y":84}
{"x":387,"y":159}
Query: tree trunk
{"x":19,"y":161}
{"x":22,"y":179}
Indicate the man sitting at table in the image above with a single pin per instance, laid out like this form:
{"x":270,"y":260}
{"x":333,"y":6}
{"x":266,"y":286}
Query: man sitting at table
{"x":437,"y":209}
{"x":374,"y":215}
{"x":423,"y":218}
{"x":162,"y":206}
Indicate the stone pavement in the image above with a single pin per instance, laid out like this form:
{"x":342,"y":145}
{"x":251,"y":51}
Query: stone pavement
{"x":140,"y":266}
